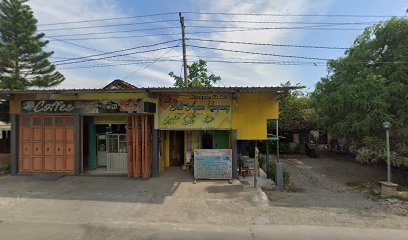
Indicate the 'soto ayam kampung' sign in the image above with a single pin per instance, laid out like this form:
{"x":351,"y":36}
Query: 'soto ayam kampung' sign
{"x":195,"y":111}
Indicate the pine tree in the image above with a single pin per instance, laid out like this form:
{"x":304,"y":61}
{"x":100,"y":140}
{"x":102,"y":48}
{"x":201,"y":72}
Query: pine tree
{"x":23,"y":62}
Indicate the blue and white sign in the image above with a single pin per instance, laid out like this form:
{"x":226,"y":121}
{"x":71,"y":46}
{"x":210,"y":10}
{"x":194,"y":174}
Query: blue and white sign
{"x":213,"y":164}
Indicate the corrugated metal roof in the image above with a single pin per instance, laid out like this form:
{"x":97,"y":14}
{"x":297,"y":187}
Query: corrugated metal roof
{"x":153,"y":90}
{"x":160,"y":89}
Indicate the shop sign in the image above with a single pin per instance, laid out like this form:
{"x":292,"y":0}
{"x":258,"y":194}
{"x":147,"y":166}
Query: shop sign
{"x":85,"y":106}
{"x":196,"y":111}
{"x":212,"y":164}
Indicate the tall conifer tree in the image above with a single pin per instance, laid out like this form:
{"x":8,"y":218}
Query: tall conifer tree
{"x":23,"y":62}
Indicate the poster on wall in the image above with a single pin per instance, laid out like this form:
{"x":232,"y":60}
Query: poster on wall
{"x":195,"y":111}
{"x":83,"y":106}
{"x":213,"y":164}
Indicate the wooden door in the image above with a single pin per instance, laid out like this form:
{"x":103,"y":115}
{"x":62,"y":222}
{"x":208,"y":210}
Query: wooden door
{"x":47,"y":144}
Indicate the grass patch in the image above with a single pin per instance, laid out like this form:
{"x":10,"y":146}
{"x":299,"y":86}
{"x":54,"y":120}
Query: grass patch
{"x":271,"y":174}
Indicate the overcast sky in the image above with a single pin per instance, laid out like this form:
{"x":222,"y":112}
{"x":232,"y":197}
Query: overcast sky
{"x":95,"y":74}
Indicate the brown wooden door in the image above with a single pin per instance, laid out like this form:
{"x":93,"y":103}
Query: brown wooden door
{"x":47,"y":144}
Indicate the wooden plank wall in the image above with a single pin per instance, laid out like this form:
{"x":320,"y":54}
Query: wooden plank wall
{"x":140,"y":149}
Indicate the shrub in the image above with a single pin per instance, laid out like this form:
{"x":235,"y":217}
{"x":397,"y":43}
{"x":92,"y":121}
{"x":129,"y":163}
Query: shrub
{"x":271,"y":173}
{"x":373,"y":151}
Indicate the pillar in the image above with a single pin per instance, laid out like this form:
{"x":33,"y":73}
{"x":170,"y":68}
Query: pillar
{"x":234,"y":144}
{"x":14,"y":144}
{"x":78,"y":144}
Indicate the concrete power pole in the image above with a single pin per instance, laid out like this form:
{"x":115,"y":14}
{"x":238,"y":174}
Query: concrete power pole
{"x":184,"y":50}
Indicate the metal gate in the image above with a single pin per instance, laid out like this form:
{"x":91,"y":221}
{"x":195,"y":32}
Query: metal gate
{"x":47,"y":144}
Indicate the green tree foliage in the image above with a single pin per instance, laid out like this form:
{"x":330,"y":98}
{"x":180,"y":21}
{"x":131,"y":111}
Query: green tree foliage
{"x":296,"y":111}
{"x":23,"y":63}
{"x":197,"y":76}
{"x":368,"y":86}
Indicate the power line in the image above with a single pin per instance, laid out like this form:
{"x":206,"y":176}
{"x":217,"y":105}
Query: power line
{"x":114,"y":56}
{"x":116,"y":51}
{"x":109,"y":25}
{"x":121,"y":37}
{"x":320,"y":27}
{"x":281,"y":22}
{"x":259,"y":53}
{"x":180,"y":60}
{"x":214,"y":31}
{"x":110,"y":32}
{"x":108,"y":19}
{"x":291,"y":15}
{"x":267,"y":44}
{"x":74,"y":44}
{"x":148,"y":65}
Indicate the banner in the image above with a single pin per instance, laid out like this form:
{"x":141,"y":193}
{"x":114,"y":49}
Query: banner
{"x":84,"y":106}
{"x":195,"y":111}
{"x":212,"y":164}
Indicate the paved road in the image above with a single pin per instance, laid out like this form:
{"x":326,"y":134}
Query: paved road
{"x":126,"y":230}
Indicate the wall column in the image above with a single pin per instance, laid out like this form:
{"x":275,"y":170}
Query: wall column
{"x":155,"y":160}
{"x":78,"y":144}
{"x":91,"y":145}
{"x":14,"y":144}
{"x":234,"y":145}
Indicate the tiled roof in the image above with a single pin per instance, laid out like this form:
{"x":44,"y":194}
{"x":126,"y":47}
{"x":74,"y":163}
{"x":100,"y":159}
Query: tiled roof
{"x":119,"y":84}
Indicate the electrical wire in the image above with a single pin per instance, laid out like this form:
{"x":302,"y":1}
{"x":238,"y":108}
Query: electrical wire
{"x":122,"y":37}
{"x":290,"y":15}
{"x":114,"y":56}
{"x":109,"y":25}
{"x":108,"y":19}
{"x":210,"y":32}
{"x":117,"y":51}
{"x":148,"y":65}
{"x":280,"y":22}
{"x":267,"y":44}
{"x":258,"y":53}
{"x":110,"y":32}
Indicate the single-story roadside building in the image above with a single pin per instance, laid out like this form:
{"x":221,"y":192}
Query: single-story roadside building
{"x":135,"y":131}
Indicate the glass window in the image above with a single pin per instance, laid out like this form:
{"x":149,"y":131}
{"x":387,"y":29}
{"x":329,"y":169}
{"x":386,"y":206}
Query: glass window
{"x":37,"y":121}
{"x":122,"y":143}
{"x":113,"y":143}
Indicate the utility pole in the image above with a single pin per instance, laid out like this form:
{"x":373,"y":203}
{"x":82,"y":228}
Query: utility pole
{"x":183,"y":37}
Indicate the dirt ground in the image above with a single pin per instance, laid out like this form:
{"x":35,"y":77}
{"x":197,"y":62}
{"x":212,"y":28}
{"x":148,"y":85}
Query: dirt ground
{"x":334,"y":183}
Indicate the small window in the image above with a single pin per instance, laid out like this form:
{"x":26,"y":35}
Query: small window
{"x":37,"y":121}
{"x":69,"y":122}
{"x":48,"y":122}
{"x":59,"y":122}
{"x":26,"y":121}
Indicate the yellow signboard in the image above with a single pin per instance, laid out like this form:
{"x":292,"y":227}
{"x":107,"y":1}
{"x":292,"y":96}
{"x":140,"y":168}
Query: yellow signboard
{"x":195,"y":111}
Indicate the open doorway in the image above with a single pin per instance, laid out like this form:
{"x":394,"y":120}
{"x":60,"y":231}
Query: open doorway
{"x":176,"y":148}
{"x":105,"y":148}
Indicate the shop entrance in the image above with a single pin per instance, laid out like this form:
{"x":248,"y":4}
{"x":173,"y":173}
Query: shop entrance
{"x":105,"y":147}
{"x":176,"y":148}
{"x":118,"y":145}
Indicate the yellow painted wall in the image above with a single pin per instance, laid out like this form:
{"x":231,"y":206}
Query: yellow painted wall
{"x":250,"y":112}
{"x":164,"y":162}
